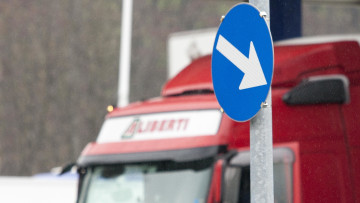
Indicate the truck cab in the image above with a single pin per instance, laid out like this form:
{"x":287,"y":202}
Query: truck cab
{"x":181,"y":147}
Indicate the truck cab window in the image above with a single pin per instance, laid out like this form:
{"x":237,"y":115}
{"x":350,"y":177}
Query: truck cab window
{"x":237,"y":175}
{"x":150,"y":182}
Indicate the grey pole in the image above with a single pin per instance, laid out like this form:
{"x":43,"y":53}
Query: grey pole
{"x":125,"y":54}
{"x":261,"y":147}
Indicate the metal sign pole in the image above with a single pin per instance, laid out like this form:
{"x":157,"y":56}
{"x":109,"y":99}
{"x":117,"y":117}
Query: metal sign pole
{"x":125,"y":54}
{"x":261,"y":147}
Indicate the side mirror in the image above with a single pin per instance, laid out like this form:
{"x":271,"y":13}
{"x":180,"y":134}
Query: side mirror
{"x":64,"y":169}
{"x":325,"y":89}
{"x":216,"y":182}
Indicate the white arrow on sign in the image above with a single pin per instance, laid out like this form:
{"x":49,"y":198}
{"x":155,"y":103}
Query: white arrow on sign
{"x":253,"y":73}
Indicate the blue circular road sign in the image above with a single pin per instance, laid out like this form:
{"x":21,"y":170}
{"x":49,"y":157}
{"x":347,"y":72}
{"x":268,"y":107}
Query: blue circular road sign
{"x":242,"y":62}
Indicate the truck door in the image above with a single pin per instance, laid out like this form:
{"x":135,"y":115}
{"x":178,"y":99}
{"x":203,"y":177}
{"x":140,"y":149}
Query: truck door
{"x":286,"y":176}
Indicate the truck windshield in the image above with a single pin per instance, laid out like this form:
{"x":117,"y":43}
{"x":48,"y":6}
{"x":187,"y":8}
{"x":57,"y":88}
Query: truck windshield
{"x":153,"y":182}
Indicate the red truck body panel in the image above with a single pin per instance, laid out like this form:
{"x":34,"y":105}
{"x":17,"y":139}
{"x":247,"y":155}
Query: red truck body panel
{"x":327,"y":136}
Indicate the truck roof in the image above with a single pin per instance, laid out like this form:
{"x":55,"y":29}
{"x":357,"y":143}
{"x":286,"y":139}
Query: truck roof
{"x":166,"y":104}
{"x":319,"y":39}
{"x":304,"y":59}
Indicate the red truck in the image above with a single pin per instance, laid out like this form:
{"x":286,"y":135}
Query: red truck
{"x":180,"y":147}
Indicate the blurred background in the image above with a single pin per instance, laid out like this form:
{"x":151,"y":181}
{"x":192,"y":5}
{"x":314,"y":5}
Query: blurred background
{"x":59,"y":66}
